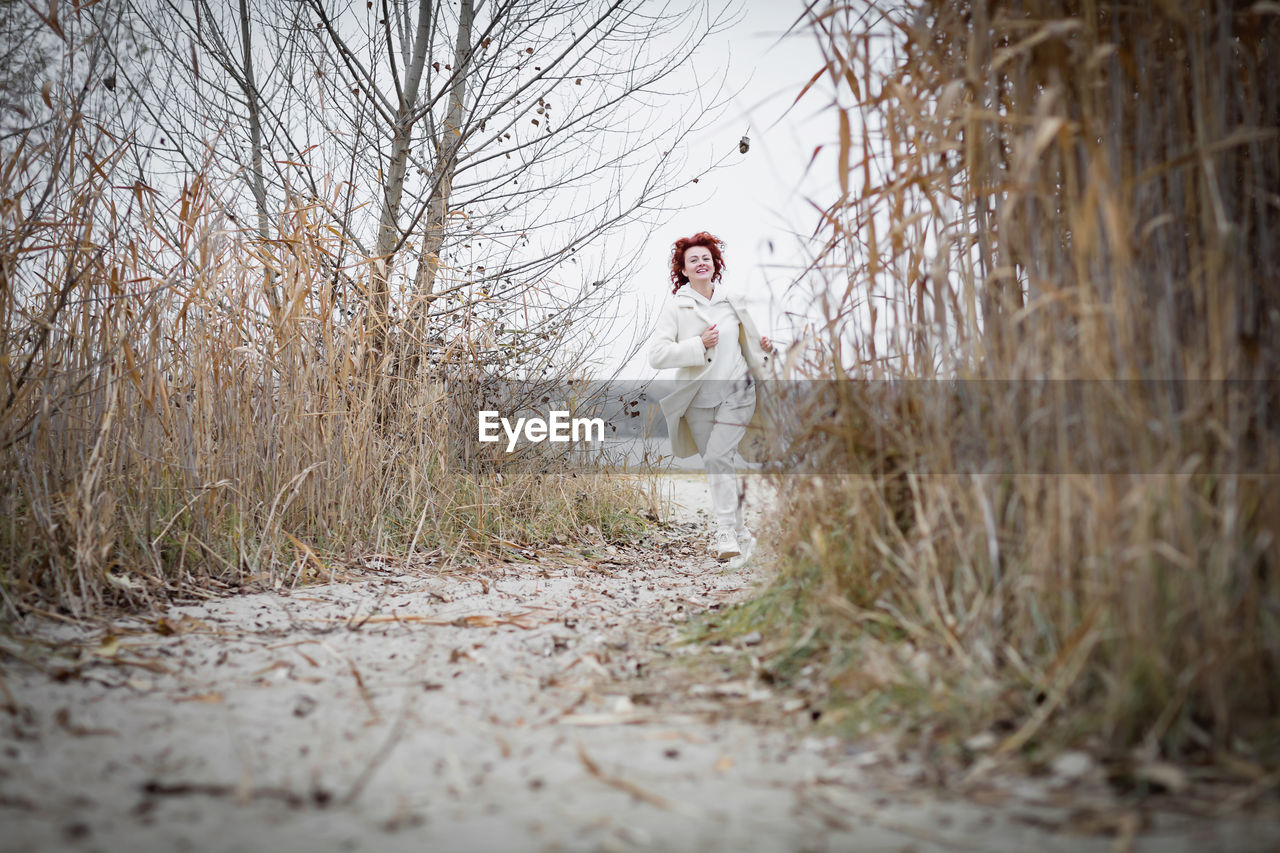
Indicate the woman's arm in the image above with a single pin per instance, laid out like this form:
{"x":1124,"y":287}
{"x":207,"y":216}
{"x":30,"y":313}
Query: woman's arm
{"x":757,"y":349}
{"x":668,"y":351}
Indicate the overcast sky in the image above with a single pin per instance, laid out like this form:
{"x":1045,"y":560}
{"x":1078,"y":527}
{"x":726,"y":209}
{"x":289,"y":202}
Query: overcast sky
{"x":756,"y":200}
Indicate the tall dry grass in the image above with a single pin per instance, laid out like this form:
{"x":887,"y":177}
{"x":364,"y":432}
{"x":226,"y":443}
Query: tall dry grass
{"x":1043,"y":209}
{"x":163,"y":426}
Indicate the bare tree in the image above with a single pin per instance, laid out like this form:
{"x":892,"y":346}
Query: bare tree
{"x":257,"y":180}
{"x":470,"y":151}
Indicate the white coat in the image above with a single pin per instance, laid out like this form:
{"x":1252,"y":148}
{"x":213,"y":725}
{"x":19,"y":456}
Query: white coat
{"x":677,"y":343}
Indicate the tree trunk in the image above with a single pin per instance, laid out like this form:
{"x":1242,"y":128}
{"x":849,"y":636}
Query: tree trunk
{"x":393,"y":184}
{"x":257,"y":181}
{"x":446,"y":163}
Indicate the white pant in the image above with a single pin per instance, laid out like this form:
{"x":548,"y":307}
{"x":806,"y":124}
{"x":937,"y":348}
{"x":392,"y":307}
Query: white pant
{"x":717,"y":432}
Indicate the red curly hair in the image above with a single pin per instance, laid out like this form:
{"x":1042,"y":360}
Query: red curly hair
{"x":707,"y":241}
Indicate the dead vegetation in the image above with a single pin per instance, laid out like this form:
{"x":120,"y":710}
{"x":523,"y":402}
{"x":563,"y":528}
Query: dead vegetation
{"x":1048,"y":510}
{"x":162,"y":426}
{"x":262,"y":264}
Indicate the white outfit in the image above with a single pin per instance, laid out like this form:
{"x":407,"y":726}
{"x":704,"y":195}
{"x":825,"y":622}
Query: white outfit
{"x":717,"y":430}
{"x":728,"y":367}
{"x":714,"y":407}
{"x":677,"y":343}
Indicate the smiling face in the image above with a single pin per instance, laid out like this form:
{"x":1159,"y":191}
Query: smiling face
{"x":698,"y":259}
{"x":699,"y":265}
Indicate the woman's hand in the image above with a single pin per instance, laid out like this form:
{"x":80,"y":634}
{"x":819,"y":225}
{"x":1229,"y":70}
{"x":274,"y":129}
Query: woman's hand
{"x":766,"y":344}
{"x":710,"y":337}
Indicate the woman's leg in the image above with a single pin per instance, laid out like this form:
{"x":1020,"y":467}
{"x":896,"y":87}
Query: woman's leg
{"x":717,"y":433}
{"x":730,"y":428}
{"x":724,"y":498}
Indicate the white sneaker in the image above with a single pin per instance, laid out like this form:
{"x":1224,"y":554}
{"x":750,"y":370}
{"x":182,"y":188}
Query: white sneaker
{"x":726,"y":545}
{"x":746,"y":540}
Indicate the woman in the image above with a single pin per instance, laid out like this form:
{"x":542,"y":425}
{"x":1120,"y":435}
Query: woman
{"x":710,"y":339}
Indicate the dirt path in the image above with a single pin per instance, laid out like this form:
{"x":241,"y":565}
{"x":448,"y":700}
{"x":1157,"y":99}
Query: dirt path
{"x":518,"y":707}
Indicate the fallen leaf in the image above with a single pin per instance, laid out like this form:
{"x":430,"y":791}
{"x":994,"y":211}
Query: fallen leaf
{"x":1168,"y":776}
{"x":208,"y":698}
{"x":63,"y":719}
{"x":124,"y":582}
{"x":274,"y":666}
{"x":603,"y":719}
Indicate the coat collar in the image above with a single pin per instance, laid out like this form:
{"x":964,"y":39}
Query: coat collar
{"x":686,"y":297}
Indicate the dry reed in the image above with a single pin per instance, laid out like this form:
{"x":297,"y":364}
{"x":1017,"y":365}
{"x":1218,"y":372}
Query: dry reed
{"x":1039,"y":203}
{"x":163,"y":424}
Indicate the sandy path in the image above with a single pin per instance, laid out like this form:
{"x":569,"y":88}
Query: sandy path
{"x":510,"y":708}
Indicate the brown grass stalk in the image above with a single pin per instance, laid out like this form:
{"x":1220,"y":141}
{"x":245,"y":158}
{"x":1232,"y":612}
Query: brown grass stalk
{"x":1040,"y":202}
{"x":163,"y":423}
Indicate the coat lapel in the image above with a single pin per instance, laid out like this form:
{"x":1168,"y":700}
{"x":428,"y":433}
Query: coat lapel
{"x":675,"y":404}
{"x":685,"y":300}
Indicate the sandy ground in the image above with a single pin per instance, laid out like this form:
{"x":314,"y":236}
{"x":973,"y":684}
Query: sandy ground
{"x":542,"y":705}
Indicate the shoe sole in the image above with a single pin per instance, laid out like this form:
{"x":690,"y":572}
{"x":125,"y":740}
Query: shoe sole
{"x":727,"y":555}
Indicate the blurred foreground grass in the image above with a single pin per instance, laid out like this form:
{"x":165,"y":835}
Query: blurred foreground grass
{"x":1031,"y":193}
